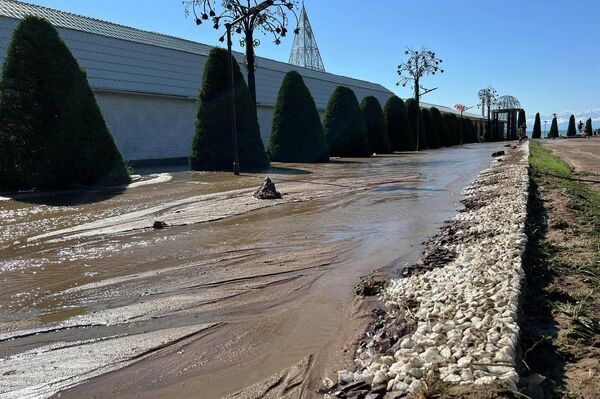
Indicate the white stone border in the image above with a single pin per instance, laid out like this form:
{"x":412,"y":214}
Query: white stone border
{"x":464,"y":315}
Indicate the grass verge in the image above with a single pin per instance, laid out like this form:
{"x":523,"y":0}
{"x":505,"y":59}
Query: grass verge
{"x":561,"y":322}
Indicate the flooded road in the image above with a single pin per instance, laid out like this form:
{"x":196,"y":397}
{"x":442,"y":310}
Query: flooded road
{"x":96,"y":303}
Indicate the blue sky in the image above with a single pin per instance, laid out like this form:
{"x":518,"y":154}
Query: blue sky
{"x":545,"y":53}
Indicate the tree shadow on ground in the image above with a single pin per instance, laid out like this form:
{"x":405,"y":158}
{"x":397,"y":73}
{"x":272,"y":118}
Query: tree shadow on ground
{"x":72,"y":197}
{"x":540,"y":355}
{"x":278,"y":170}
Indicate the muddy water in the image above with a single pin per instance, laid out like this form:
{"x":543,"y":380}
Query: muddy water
{"x":95,"y":303}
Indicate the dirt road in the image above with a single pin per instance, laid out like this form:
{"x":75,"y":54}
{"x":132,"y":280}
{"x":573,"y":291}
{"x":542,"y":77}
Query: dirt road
{"x":582,"y":154}
{"x":96,"y":303}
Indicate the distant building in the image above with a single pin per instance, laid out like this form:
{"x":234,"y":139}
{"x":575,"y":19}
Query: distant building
{"x":147,"y":83}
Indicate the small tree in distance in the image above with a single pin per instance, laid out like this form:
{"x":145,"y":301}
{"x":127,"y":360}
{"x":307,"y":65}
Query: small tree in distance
{"x":571,"y":130}
{"x":345,"y":126}
{"x":297,"y":134}
{"x":553,"y":129}
{"x":378,"y":138}
{"x":537,"y":127}
{"x":522,"y":120}
{"x":589,"y":130}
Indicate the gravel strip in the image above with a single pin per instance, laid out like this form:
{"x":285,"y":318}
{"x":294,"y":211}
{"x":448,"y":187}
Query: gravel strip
{"x":453,"y":317}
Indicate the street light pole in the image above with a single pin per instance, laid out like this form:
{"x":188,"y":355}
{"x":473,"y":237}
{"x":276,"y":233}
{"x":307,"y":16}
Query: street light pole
{"x":251,"y":11}
{"x":462,"y":109}
{"x":236,"y":162}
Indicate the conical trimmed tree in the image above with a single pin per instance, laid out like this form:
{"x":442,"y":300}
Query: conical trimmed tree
{"x":416,"y":116}
{"x":537,"y":127}
{"x":430,"y":129}
{"x":440,"y":127}
{"x":212,"y":147}
{"x":297,"y":134}
{"x":378,"y":138}
{"x":52,"y":133}
{"x":452,"y":124}
{"x":589,"y":130}
{"x":522,"y":120}
{"x":554,"y":129}
{"x":397,"y":125}
{"x":345,"y":126}
{"x":571,"y":130}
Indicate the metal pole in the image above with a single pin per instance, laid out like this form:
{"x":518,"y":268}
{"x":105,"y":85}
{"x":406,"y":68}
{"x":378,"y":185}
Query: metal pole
{"x":236,"y":163}
{"x":461,"y":127}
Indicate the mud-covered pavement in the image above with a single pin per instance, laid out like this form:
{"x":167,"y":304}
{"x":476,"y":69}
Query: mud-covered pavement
{"x":95,"y":302}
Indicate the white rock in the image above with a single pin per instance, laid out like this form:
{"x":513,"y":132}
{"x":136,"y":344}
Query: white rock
{"x":379,"y":378}
{"x":464,"y":362}
{"x":415,"y":386}
{"x":345,"y":377}
{"x":407,"y":343}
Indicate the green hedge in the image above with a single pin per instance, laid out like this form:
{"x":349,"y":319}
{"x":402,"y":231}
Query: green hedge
{"x":212,"y":147}
{"x":52,"y":133}
{"x":432,"y":135}
{"x":440,"y":127}
{"x":377,"y":133}
{"x":416,"y":116}
{"x":297,"y":134}
{"x":345,"y":126}
{"x":397,"y":125}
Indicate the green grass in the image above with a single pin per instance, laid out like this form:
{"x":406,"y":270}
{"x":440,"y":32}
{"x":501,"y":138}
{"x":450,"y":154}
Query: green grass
{"x":544,"y":161}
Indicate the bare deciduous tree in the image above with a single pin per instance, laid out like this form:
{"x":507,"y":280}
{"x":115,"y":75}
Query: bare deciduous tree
{"x":272,"y":20}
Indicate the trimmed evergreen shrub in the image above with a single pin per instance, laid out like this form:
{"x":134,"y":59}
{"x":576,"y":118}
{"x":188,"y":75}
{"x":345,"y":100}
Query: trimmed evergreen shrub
{"x":554,"y":129}
{"x":588,"y":127}
{"x":522,"y":120}
{"x":397,"y":125}
{"x":52,"y":133}
{"x":453,"y":126}
{"x":432,"y":134}
{"x":440,"y":127}
{"x":378,"y":138}
{"x":297,"y":134}
{"x":345,"y":126}
{"x":571,"y":130}
{"x":416,"y":116}
{"x":537,"y":127}
{"x":212,"y":147}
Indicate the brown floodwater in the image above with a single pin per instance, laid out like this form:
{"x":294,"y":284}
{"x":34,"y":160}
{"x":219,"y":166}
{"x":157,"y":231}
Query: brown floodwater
{"x":96,"y":303}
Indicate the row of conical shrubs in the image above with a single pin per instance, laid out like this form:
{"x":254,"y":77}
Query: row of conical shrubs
{"x":52,"y":133}
{"x":349,"y":129}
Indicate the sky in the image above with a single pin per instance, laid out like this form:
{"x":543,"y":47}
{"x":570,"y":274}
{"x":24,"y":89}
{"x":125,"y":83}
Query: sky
{"x":546,"y":53}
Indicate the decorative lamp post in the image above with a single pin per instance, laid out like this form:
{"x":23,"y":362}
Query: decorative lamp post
{"x":462,"y":109}
{"x":420,"y":63}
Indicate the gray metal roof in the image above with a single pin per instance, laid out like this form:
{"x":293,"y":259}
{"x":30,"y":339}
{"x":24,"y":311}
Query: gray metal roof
{"x":124,"y":59}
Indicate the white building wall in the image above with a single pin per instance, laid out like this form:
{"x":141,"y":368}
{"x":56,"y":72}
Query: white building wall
{"x":149,"y":127}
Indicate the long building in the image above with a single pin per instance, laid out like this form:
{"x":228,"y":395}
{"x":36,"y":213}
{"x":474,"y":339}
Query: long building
{"x":147,"y":83}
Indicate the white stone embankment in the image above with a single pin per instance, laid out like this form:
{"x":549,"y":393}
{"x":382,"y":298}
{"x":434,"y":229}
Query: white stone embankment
{"x":459,"y":320}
